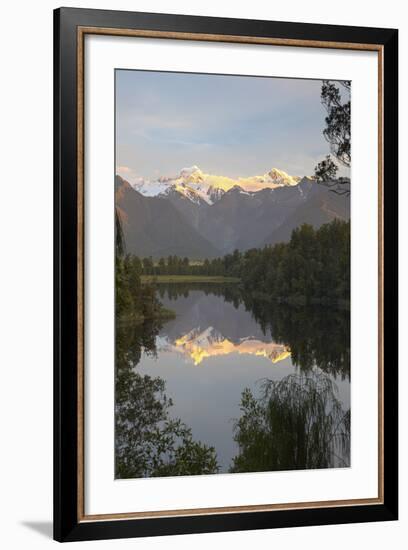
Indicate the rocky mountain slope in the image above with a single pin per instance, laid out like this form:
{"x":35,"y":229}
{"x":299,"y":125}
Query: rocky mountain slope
{"x":199,"y":215}
{"x":154,"y":227}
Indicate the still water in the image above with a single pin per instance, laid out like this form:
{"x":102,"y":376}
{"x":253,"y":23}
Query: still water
{"x":267,"y":387}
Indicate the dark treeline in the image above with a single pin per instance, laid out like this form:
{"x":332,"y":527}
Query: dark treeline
{"x":135,"y":301}
{"x":175,"y":265}
{"x":231,"y":293}
{"x":317,"y":336}
{"x":312,"y":268}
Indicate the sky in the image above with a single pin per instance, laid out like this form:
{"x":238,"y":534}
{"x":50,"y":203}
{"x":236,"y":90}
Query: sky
{"x":236,"y":126}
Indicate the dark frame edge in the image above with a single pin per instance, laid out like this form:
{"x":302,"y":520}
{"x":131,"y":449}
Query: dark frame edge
{"x":66,"y":524}
{"x":57,"y":509}
{"x":65,"y":281}
{"x":390,"y":281}
{"x":135,"y":528}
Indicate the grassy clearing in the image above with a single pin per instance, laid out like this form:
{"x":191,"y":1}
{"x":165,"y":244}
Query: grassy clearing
{"x":187,"y":279}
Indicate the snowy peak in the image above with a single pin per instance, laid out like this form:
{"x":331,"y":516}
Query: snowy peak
{"x":152,"y":188}
{"x":192,"y":174}
{"x":185,"y":191}
{"x":198,"y":186}
{"x":272,"y":179}
{"x":214,"y":194}
{"x":282,"y":178}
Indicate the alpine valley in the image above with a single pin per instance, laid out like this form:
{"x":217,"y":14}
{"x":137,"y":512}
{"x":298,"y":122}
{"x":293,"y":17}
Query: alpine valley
{"x":200,"y":215}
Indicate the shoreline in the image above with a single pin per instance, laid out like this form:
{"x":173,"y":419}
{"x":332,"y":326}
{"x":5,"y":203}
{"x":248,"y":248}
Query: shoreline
{"x":164,"y":314}
{"x":188,"y":279}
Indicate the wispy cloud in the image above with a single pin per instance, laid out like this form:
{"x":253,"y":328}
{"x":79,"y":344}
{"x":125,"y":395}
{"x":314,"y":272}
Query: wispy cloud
{"x":229,"y":125}
{"x":123,"y":169}
{"x":128,"y":173}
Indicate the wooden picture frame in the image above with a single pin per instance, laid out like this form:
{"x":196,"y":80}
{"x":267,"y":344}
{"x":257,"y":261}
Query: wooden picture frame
{"x":70,"y":28}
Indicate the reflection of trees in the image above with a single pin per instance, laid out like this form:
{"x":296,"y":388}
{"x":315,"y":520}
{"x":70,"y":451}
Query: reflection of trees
{"x":229,"y":291}
{"x":316,"y":336}
{"x":297,"y":423}
{"x":148,"y":442}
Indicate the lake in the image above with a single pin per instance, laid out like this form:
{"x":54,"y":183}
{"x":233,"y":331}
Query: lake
{"x":266,"y":386}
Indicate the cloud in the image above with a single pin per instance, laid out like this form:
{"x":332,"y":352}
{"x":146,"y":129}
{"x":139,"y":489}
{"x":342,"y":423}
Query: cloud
{"x":163,"y":121}
{"x":129,"y":174}
{"x":123,"y":170}
{"x":227,"y":124}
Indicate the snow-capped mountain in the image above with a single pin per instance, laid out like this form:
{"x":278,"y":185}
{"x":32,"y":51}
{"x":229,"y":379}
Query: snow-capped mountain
{"x":200,"y":215}
{"x":197,"y":186}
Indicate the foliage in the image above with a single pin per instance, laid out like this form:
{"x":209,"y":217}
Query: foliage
{"x":337,"y":131}
{"x":119,"y":236}
{"x":313,"y":268}
{"x":175,"y":265}
{"x":134,"y":300}
{"x":297,"y":423}
{"x":316,"y":336}
{"x":326,"y":170}
{"x":338,"y":134}
{"x":189,"y":279}
{"x":148,"y":441}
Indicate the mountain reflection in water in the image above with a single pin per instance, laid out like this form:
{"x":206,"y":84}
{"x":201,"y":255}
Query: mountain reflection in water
{"x":198,"y":345}
{"x":272,"y":390}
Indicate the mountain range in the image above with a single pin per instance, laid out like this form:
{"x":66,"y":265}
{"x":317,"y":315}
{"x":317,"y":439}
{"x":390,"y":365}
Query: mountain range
{"x":201,"y":215}
{"x":200,"y":187}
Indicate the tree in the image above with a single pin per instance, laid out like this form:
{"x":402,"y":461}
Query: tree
{"x":186,"y":265}
{"x":124,"y":302}
{"x":326,"y":170}
{"x":119,"y":236}
{"x":313,"y":268}
{"x":149,"y":442}
{"x":162,"y":266}
{"x":337,"y":131}
{"x":148,"y":266}
{"x":338,"y":134}
{"x":305,"y":331}
{"x":297,"y":423}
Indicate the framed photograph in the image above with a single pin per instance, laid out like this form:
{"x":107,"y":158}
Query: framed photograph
{"x":225,"y":274}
